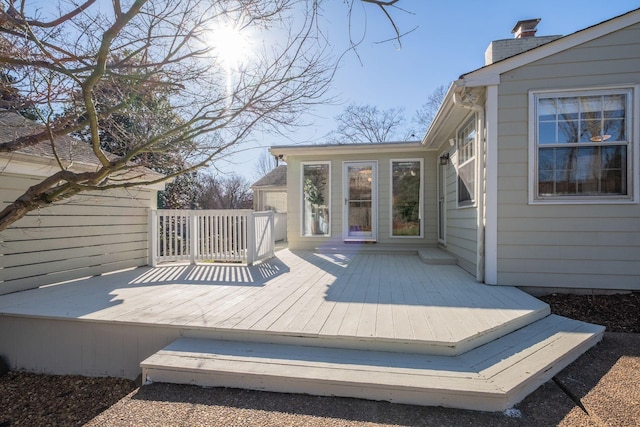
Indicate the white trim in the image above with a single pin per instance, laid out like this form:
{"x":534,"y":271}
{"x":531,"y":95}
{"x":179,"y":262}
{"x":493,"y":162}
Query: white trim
{"x":42,"y":167}
{"x":491,"y":188}
{"x":302,"y":164}
{"x":490,"y":75}
{"x":471,"y":118}
{"x":421,"y":198}
{"x":633,"y":162}
{"x":441,"y":172}
{"x":363,"y":148}
{"x":374,"y":201}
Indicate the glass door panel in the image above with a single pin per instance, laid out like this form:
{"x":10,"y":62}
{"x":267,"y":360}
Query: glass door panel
{"x":360,"y":201}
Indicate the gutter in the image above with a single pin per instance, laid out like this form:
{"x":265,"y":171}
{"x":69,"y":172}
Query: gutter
{"x":468,"y":102}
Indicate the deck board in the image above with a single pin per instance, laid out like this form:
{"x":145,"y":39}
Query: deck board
{"x":351,"y":296}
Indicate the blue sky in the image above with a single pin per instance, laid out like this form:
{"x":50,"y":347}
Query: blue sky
{"x":450,"y":39}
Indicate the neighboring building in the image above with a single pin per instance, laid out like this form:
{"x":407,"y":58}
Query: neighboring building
{"x":529,"y":173}
{"x":270,"y":191}
{"x":270,"y":194}
{"x":91,"y":233}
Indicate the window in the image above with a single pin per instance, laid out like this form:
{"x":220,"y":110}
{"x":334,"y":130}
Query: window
{"x":406,"y":198}
{"x":466,"y":140}
{"x":315,"y":199}
{"x":582,"y":145}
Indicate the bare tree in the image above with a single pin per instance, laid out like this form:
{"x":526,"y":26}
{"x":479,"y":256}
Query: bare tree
{"x":264,"y":164}
{"x":366,"y":123}
{"x":225,"y":192}
{"x":149,"y":47}
{"x":427,"y":111}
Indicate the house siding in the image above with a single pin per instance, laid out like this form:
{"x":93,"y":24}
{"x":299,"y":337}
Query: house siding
{"x":89,"y":234}
{"x":564,"y":246}
{"x":384,"y":239}
{"x":270,"y":199}
{"x":461,"y":232}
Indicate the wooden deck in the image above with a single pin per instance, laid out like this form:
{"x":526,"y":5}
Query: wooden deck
{"x":380,"y":300}
{"x":109,"y":324}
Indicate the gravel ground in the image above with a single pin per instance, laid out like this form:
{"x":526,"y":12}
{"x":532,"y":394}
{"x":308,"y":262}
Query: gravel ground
{"x":604,"y":382}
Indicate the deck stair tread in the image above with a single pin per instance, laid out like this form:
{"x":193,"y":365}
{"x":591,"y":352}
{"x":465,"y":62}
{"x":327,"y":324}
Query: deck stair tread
{"x":436,"y":256}
{"x":492,"y":377}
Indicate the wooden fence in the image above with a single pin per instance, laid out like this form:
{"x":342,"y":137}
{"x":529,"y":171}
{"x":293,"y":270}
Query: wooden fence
{"x":230,"y":236}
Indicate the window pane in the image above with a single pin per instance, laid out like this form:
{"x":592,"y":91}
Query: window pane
{"x":568,"y":108}
{"x":588,"y":170}
{"x":614,"y":130}
{"x":466,"y":180}
{"x":614,"y":106}
{"x":590,"y":131}
{"x":591,"y":107}
{"x":315,"y":209}
{"x":466,"y":162}
{"x":547,"y":110}
{"x":405,"y":198}
{"x":614,"y":170}
{"x":567,"y":132}
{"x":547,"y":133}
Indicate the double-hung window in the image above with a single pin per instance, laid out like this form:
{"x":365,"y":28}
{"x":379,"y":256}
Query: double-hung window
{"x":466,"y":141}
{"x":582,"y":145}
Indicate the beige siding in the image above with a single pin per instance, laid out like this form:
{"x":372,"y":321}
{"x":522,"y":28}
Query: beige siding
{"x":89,"y":234}
{"x":294,"y":191}
{"x":461,"y":230}
{"x":275,"y":200}
{"x":574,"y":246}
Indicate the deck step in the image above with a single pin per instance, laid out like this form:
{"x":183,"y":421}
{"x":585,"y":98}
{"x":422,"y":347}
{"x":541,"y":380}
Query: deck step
{"x":492,"y":377}
{"x":435,"y":256}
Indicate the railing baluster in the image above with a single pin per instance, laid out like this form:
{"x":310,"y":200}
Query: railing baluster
{"x":217,"y":235}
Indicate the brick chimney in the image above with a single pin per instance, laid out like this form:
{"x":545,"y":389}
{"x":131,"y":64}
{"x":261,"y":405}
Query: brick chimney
{"x":524,"y":39}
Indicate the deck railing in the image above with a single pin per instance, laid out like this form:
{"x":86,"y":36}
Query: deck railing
{"x":241,"y":236}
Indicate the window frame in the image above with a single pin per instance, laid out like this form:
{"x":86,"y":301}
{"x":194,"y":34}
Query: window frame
{"x":420,"y":198}
{"x":469,"y":120}
{"x":632,"y":124}
{"x":302,"y":199}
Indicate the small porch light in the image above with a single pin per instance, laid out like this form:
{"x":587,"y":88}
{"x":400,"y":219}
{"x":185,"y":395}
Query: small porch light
{"x":444,"y":159}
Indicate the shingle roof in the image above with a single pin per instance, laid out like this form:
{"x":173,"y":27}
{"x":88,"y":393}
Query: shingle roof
{"x":276,"y":178}
{"x":69,"y":149}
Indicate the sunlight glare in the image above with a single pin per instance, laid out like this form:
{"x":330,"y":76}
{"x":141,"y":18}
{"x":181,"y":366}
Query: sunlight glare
{"x":230,"y":44}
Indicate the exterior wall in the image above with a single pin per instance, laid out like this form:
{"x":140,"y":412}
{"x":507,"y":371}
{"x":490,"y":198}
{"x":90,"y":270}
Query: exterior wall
{"x":264,"y":200}
{"x":564,"y":245}
{"x":92,"y":233}
{"x":461,"y":231}
{"x":384,"y":239}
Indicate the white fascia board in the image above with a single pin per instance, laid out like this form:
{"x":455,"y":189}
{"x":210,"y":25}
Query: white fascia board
{"x":25,"y":164}
{"x":42,"y":167}
{"x":302,"y":150}
{"x":490,"y":75}
{"x":441,"y":117}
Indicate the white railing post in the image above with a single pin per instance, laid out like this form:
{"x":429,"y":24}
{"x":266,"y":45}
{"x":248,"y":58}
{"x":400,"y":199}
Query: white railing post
{"x":251,"y":237}
{"x":153,"y":237}
{"x":193,"y":235}
{"x":272,"y":239}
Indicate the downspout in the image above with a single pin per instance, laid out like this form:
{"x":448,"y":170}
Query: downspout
{"x":468,"y":102}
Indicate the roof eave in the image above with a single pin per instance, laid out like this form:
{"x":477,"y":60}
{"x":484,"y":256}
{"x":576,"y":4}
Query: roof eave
{"x":302,"y":150}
